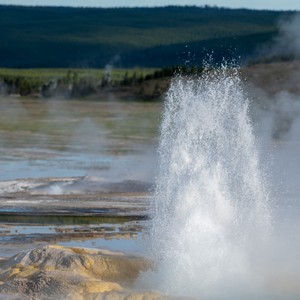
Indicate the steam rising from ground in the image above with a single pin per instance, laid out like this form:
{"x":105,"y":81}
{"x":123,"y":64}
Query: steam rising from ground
{"x":212,"y":234}
{"x":287,"y":43}
{"x":74,"y":138}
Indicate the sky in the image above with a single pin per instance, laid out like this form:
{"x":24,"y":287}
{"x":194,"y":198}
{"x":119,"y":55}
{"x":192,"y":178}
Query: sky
{"x":253,"y":4}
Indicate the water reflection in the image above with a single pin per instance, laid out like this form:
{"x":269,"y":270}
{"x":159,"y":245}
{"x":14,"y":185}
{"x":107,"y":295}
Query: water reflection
{"x":75,"y":138}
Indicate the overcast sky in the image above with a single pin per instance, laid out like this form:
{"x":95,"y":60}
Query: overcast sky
{"x":257,"y":4}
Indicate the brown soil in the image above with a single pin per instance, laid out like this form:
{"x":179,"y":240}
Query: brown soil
{"x":271,"y":78}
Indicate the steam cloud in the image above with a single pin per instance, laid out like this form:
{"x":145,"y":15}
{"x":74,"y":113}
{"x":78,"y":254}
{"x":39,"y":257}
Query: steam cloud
{"x":282,"y":109}
{"x":287,"y":43}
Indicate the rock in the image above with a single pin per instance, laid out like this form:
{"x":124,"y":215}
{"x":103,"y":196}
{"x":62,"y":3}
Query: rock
{"x":56,"y":272}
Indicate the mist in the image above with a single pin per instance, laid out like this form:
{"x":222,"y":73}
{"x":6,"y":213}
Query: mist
{"x":200,"y":197}
{"x":286,"y":44}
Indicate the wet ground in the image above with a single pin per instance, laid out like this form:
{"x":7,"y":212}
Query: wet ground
{"x":75,"y":173}
{"x":58,"y":138}
{"x":37,"y":212}
{"x":120,"y":237}
{"x":84,"y":212}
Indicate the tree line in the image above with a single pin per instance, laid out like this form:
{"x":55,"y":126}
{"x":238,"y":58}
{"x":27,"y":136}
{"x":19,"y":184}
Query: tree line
{"x":71,"y":85}
{"x":52,"y":37}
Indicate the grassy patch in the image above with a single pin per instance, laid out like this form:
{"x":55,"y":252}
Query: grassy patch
{"x":56,"y":73}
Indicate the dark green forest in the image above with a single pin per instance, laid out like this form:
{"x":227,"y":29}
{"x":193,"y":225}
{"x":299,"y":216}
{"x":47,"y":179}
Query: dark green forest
{"x":61,"y":37}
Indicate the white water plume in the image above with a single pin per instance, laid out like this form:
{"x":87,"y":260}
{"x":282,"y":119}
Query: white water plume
{"x":211,"y":218}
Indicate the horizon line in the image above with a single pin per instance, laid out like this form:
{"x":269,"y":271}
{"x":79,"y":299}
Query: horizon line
{"x":149,"y":7}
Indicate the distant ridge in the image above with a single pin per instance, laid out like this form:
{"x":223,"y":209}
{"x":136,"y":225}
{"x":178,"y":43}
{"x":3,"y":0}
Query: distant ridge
{"x":38,"y":36}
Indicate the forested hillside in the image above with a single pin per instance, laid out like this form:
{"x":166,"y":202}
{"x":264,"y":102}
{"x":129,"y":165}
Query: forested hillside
{"x":127,"y":37}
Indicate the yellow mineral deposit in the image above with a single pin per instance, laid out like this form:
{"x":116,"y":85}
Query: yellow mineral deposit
{"x":74,"y":273}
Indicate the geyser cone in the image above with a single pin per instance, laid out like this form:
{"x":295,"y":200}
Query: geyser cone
{"x":211,"y":203}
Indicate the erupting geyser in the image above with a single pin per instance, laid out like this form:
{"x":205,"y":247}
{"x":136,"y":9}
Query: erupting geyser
{"x":211,"y":216}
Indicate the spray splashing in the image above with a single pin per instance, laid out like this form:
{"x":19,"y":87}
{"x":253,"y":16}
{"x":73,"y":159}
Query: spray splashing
{"x":211,"y":203}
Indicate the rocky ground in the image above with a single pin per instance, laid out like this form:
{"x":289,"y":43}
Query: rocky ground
{"x":56,"y":272}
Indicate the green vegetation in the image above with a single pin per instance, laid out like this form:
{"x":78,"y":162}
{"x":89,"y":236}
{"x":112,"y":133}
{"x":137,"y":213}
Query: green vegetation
{"x":52,"y":73}
{"x":67,"y":220}
{"x":68,"y":82}
{"x":142,"y":84}
{"x":78,"y":52}
{"x":55,"y":37}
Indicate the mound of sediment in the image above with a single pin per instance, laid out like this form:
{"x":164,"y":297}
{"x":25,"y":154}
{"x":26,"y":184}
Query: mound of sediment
{"x":56,"y":272}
